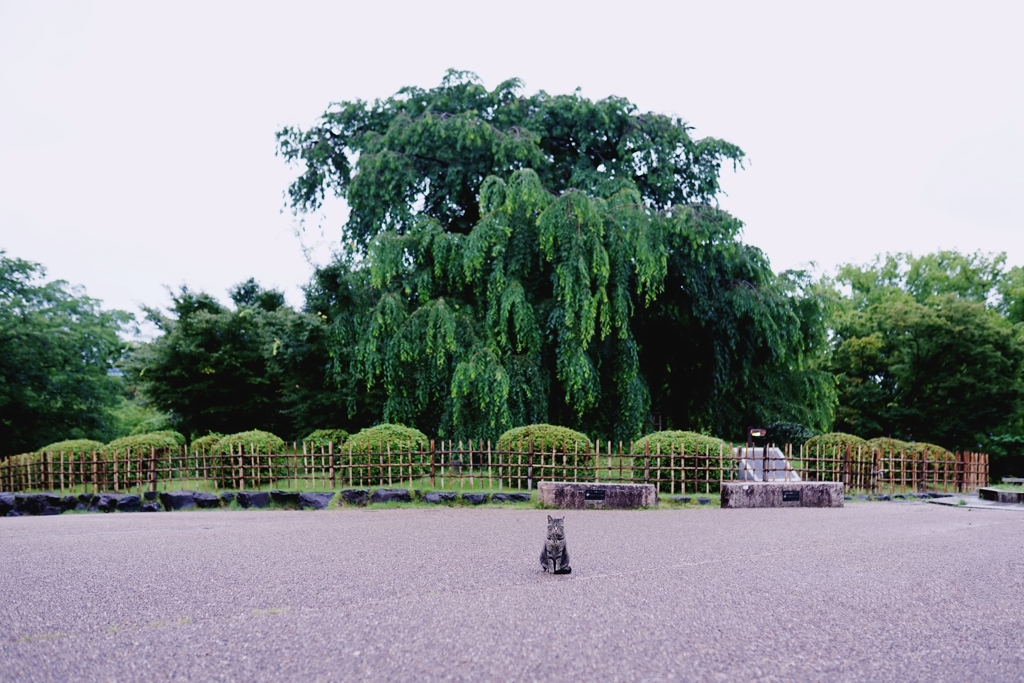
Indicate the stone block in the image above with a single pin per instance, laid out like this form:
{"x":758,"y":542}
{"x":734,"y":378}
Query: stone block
{"x":254,"y":499}
{"x":355,"y":496}
{"x":807,"y":494}
{"x":129,"y":503}
{"x":510,"y":498}
{"x":440,"y":496}
{"x":580,"y":496}
{"x":474,"y":498}
{"x":315,"y":500}
{"x":204,"y":499}
{"x":6,"y":503}
{"x":104,"y":502}
{"x":288,"y":499}
{"x":177,"y":500}
{"x":391,"y":496}
{"x":1000,"y":496}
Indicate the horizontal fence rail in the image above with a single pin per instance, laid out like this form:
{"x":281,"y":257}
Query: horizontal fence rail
{"x":476,"y":464}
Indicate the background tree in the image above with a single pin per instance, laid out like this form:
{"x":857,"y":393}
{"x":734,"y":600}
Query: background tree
{"x":217,"y":369}
{"x":527,"y":255}
{"x":57,"y":351}
{"x":923,"y":351}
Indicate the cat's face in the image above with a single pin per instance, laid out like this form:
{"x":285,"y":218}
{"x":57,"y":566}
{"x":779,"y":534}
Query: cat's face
{"x":556,"y":528}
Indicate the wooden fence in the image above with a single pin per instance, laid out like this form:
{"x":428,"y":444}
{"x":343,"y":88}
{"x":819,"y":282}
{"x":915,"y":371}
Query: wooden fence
{"x":476,"y":465}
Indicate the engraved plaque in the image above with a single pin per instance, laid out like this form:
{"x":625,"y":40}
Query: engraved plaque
{"x":593,"y":494}
{"x":790,"y":496}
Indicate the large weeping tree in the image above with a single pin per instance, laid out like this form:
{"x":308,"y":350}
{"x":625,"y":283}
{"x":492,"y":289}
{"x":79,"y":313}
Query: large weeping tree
{"x":548,"y":258}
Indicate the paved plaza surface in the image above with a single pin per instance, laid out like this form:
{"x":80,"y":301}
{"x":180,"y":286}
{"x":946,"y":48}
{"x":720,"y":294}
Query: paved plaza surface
{"x":872,"y":591}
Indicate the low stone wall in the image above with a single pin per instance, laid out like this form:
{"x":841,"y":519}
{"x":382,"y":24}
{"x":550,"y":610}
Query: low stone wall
{"x":34,"y":504}
{"x":578,"y":496}
{"x":813,"y":494}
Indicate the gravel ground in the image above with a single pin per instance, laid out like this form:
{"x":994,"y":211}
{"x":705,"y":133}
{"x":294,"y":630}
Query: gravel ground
{"x":872,"y":591}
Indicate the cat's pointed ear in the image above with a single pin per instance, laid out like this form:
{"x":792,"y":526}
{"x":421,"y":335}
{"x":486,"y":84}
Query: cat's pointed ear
{"x":549,"y":519}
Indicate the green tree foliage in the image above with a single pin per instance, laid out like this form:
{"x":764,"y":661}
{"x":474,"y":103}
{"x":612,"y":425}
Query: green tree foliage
{"x":925,"y":350}
{"x":57,"y":349}
{"x":539,"y":258}
{"x":217,"y":369}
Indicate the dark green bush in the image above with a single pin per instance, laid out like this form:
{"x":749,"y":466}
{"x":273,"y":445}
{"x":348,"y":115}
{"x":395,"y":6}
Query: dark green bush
{"x":139,"y":455}
{"x":823,"y":456}
{"x":143,"y":443}
{"x":250,"y":459}
{"x":207,"y":445}
{"x":559,"y":454}
{"x":74,"y":457}
{"x":678,"y":461}
{"x":322,"y":440}
{"x":368,"y":451}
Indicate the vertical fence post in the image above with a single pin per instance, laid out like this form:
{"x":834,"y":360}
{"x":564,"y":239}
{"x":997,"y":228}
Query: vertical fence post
{"x":433,"y":464}
{"x":529,"y":468}
{"x":647,"y":462}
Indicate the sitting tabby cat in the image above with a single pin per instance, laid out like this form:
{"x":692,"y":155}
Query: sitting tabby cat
{"x":555,"y":557}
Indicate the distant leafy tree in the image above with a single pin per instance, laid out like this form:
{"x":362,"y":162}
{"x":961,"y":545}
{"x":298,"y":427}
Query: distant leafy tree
{"x":217,"y":369}
{"x":521,"y":259}
{"x":57,"y":350}
{"x":922,"y":353}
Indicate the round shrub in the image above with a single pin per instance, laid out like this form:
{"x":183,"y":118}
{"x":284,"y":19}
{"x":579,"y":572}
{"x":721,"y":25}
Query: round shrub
{"x":74,"y":446}
{"x":678,"y":462}
{"x":323,"y":439}
{"x":387,"y":434}
{"x":886,"y":445}
{"x":73,"y":457}
{"x":206,"y":445}
{"x":931,"y":451}
{"x":250,"y":442}
{"x":143,"y":455}
{"x":144,"y":442}
{"x":559,"y":454}
{"x":250,"y":458}
{"x":824,"y":455}
{"x":368,"y":453}
{"x":545,"y":438}
{"x":834,"y":440}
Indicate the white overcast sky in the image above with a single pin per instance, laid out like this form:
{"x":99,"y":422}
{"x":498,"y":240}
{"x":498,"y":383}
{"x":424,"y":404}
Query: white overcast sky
{"x":137,"y":138}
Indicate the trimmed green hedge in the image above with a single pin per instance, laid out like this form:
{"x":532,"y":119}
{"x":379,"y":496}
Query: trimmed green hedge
{"x":77,"y":456}
{"x":554,"y":454}
{"x":368,"y":450}
{"x":324,"y":438}
{"x":75,"y":446}
{"x":239,"y":459}
{"x":144,"y":442}
{"x":677,"y":461}
{"x":833,"y":440}
{"x":545,"y":437}
{"x":206,"y":445}
{"x":378,"y":438}
{"x":887,"y":446}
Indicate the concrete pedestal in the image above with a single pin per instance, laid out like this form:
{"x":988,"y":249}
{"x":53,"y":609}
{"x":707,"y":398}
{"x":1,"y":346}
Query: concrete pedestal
{"x":807,"y":494}
{"x":579,"y":496}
